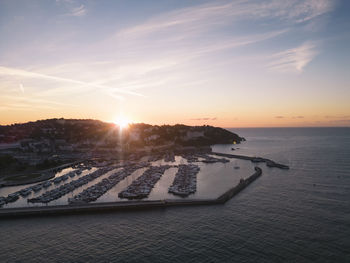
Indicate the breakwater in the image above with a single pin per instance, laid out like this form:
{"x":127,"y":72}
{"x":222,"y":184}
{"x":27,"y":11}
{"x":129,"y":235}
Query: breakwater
{"x":268,"y":162}
{"x":127,"y":205}
{"x":243,"y":183}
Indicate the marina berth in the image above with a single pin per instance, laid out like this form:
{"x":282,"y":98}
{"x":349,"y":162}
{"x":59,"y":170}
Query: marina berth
{"x":210,"y":159}
{"x":169,"y":157}
{"x":69,"y":187}
{"x":94,"y":192}
{"x":154,"y":157}
{"x":142,"y":186}
{"x":185,"y":181}
{"x":190,"y":158}
{"x":2,"y":201}
{"x":47,"y":184}
{"x":25,"y":192}
{"x":202,"y":157}
{"x":12,"y":197}
{"x":57,"y":180}
{"x":38,"y":187}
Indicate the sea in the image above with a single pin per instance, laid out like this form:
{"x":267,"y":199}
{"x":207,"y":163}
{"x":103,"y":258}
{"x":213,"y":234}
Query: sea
{"x":296,"y":215}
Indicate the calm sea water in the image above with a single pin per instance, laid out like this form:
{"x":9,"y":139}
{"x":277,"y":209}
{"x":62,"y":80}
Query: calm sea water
{"x":300,"y":215}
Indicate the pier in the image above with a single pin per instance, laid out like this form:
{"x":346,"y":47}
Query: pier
{"x":268,"y":162}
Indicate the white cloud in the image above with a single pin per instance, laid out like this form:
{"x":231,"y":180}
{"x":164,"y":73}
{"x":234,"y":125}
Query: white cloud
{"x":21,"y":87}
{"x":78,"y":11}
{"x":199,"y":18}
{"x":73,"y":7}
{"x":294,"y":59}
{"x":29,"y":102}
{"x":29,"y":74}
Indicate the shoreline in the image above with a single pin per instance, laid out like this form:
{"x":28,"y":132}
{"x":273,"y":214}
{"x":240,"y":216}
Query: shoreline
{"x":127,"y":205}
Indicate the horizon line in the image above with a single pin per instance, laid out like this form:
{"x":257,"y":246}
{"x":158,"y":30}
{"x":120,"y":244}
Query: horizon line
{"x":227,"y":127}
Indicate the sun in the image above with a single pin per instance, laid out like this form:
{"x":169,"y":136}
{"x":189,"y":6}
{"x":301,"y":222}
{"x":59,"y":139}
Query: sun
{"x":122,"y":122}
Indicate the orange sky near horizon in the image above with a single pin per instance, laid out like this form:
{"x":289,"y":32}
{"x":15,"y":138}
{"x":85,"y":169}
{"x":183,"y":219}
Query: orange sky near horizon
{"x":225,"y":121}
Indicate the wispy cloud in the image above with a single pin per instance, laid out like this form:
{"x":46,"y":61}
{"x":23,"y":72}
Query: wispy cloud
{"x":279,"y":117}
{"x":205,"y":17}
{"x":294,"y":59}
{"x":21,"y":88}
{"x":73,"y":7}
{"x":31,"y":100}
{"x":337,"y":117}
{"x":30,"y":103}
{"x":29,"y":74}
{"x":341,"y":122}
{"x":78,"y":11}
{"x":204,"y":119}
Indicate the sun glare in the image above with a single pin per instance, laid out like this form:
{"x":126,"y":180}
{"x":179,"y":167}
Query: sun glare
{"x":122,"y":122}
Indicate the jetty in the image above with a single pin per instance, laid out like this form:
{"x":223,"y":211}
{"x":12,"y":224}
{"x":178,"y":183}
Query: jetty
{"x":127,"y":205}
{"x":268,"y":162}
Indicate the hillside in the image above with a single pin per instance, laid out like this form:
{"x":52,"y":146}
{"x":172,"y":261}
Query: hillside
{"x":74,"y":131}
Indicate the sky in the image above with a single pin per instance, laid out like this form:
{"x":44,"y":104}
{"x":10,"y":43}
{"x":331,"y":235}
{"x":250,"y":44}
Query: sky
{"x":243,"y":63}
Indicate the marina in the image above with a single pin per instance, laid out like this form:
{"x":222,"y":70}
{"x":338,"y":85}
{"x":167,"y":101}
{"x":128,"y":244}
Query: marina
{"x":131,"y":205}
{"x":100,"y":182}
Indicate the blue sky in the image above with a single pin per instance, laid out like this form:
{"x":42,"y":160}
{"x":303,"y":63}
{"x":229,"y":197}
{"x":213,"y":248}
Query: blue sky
{"x":225,"y":63}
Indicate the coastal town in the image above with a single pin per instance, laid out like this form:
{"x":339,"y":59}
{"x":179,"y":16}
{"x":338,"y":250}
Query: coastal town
{"x":44,"y":144}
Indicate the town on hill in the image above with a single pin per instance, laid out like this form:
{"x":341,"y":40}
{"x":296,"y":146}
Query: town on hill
{"x":43,"y":144}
